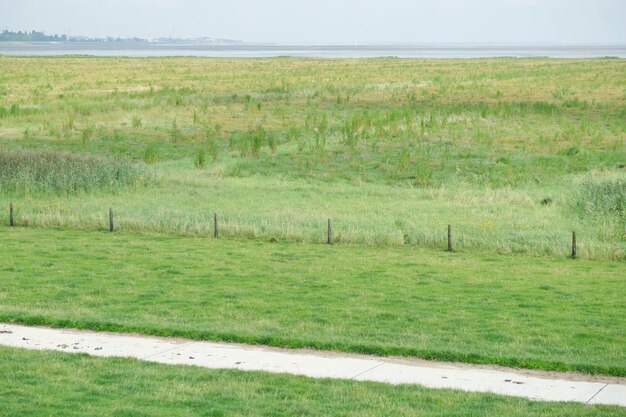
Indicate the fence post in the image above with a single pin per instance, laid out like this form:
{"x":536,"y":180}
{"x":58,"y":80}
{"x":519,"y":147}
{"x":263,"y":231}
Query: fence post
{"x":110,"y":219}
{"x":11,"y":222}
{"x":215,"y":230}
{"x":330,"y":233}
{"x":573,"y":245}
{"x":449,"y":238}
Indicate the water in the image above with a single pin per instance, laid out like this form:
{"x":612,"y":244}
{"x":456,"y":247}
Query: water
{"x":312,"y":51}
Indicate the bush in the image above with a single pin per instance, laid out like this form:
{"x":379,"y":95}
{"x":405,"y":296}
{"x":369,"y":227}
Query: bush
{"x":63,"y":172}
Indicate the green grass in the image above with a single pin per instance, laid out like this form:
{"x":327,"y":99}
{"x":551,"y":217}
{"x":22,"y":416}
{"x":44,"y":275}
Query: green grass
{"x":182,"y":201}
{"x":50,"y":383}
{"x":393,"y":150}
{"x":515,"y":154}
{"x":519,"y":311}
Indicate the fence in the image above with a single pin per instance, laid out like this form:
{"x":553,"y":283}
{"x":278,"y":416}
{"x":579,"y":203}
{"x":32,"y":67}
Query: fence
{"x":329,"y":236}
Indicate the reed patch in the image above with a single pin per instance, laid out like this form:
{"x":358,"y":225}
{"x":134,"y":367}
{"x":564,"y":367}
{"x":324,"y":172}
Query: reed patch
{"x":61,"y":173}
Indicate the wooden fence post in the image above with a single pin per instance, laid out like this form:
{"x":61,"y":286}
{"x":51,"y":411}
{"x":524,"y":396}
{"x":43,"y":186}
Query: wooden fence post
{"x":11,"y":222}
{"x":330,"y":233}
{"x":573,"y":245}
{"x":215,"y":230}
{"x":110,"y":219}
{"x":449,"y":238}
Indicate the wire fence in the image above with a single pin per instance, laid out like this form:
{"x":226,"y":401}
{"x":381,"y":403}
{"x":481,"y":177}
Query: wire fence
{"x":448,"y":234}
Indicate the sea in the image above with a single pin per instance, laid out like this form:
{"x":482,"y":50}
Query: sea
{"x":442,"y":51}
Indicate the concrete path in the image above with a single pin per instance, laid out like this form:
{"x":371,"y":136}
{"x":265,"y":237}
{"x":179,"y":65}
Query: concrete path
{"x":519,"y":383}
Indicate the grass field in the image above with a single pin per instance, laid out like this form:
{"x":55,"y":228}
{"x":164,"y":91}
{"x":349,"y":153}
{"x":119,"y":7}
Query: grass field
{"x":47,"y":383}
{"x":510,"y":310}
{"x":514,"y":153}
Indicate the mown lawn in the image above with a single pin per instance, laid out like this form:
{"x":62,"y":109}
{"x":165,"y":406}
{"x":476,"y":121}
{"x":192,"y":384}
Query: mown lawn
{"x":51,"y":383}
{"x":555,"y":314}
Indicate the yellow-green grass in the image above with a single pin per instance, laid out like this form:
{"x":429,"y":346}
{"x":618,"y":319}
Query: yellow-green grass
{"x":50,"y":383}
{"x":422,"y":122}
{"x":393,"y":150}
{"x":516,"y":311}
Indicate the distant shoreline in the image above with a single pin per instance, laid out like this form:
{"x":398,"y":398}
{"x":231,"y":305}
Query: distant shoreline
{"x":155,"y":49}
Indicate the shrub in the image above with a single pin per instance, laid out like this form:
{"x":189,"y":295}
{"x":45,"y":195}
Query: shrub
{"x":63,"y":172}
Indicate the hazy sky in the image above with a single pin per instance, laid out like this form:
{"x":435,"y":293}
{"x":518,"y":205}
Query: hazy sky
{"x":328,"y":21}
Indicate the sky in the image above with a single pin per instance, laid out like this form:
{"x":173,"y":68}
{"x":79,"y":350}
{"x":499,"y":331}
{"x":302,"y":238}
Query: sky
{"x":329,"y":21}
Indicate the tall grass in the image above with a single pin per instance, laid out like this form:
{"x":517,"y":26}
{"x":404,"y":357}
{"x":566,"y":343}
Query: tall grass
{"x":392,"y":150}
{"x":602,"y":197}
{"x":62,"y":173}
{"x":183,"y":200}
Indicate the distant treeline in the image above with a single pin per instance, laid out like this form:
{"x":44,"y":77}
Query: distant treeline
{"x":19,"y":36}
{"x":34,"y":36}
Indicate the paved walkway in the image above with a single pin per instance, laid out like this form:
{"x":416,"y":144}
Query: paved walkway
{"x":519,"y":383}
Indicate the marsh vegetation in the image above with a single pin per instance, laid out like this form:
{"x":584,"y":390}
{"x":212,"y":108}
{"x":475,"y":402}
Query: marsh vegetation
{"x":515,"y":153}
